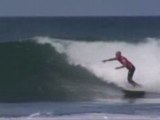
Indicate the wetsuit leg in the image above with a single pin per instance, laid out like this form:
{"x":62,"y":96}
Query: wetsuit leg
{"x":130,"y":75}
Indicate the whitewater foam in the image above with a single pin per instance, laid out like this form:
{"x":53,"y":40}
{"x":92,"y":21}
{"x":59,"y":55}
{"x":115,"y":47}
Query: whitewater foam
{"x":89,"y":116}
{"x":145,"y":56}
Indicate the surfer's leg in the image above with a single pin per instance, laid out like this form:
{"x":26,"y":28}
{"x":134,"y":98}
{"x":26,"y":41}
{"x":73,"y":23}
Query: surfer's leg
{"x":130,"y":75}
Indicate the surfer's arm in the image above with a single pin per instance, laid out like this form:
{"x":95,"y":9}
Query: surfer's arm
{"x":111,"y":59}
{"x":120,"y":67}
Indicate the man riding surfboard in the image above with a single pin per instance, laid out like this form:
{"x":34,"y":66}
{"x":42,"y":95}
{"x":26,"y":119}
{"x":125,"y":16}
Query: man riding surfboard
{"x":125,"y":64}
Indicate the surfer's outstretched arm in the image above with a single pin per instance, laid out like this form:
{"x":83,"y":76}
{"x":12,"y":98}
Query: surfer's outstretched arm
{"x":111,"y":59}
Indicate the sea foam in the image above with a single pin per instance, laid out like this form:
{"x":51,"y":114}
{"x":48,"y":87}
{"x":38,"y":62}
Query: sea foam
{"x":144,"y":55}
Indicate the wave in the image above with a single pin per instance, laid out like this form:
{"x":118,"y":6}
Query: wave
{"x":49,"y":69}
{"x":31,"y":71}
{"x":144,"y":55}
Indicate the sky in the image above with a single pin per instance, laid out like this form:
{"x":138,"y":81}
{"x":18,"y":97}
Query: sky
{"x":79,"y":7}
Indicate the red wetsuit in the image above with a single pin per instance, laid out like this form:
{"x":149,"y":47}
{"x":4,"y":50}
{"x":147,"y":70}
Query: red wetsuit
{"x":124,"y":61}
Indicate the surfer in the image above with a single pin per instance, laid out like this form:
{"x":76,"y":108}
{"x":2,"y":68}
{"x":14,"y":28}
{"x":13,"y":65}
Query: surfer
{"x":125,"y":64}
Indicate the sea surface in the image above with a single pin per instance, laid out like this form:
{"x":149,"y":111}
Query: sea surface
{"x":51,"y":68}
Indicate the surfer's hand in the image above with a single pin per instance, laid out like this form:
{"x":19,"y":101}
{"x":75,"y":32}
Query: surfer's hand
{"x":117,"y":68}
{"x":104,"y":61}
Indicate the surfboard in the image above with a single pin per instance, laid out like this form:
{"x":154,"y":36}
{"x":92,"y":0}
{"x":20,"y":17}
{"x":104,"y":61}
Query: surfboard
{"x":137,"y":91}
{"x":133,"y":92}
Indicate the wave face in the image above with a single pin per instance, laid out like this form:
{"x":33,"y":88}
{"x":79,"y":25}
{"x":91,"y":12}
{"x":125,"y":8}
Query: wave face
{"x":35,"y":72}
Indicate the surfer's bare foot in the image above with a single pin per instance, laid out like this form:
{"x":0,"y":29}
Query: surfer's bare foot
{"x":136,"y":85}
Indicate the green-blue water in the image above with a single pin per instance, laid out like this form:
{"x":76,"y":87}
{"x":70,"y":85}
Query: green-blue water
{"x":57,"y":59}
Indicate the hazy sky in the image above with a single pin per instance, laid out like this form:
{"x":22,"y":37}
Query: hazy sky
{"x":79,"y":7}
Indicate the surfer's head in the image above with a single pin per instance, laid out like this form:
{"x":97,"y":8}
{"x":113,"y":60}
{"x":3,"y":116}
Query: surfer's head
{"x":118,"y":53}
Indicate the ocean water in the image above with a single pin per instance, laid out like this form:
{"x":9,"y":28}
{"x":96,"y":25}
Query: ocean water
{"x":51,"y":68}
